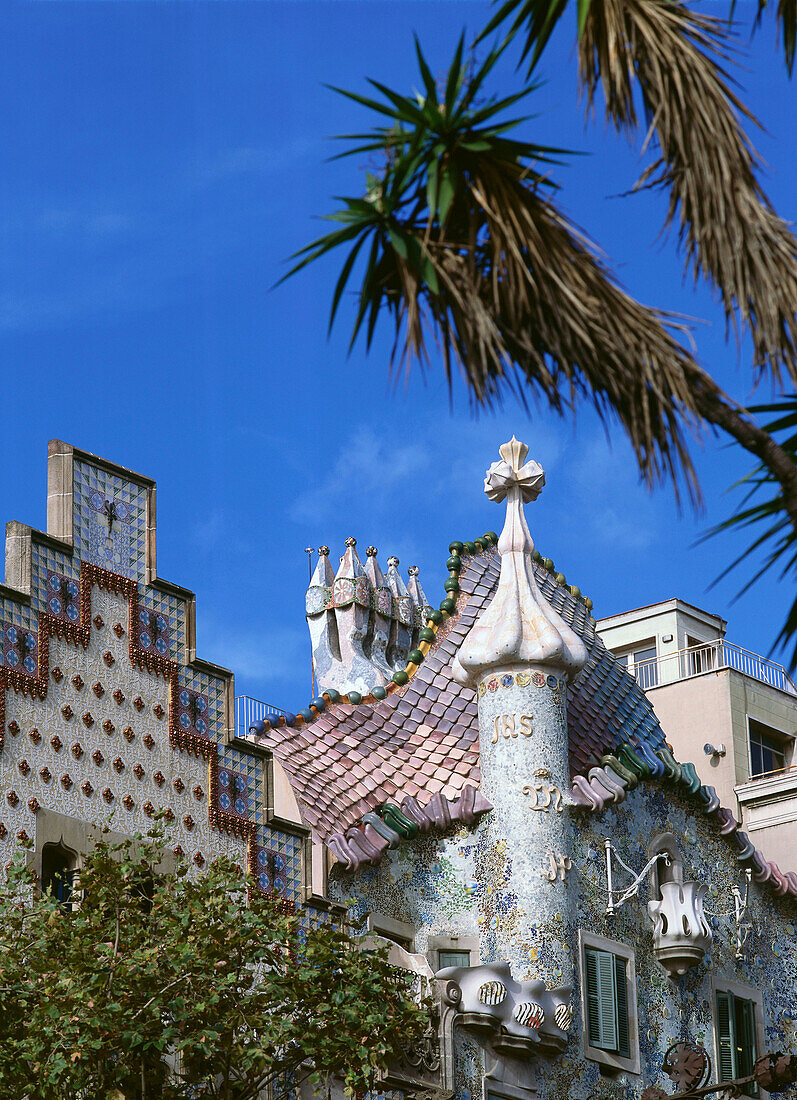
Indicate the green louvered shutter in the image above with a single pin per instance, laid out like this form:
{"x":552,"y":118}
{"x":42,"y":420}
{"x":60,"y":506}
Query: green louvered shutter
{"x":623,"y":1039}
{"x":601,"y":999}
{"x":745,"y":1041}
{"x":726,"y":1042}
{"x":593,"y":998}
{"x":607,"y":987}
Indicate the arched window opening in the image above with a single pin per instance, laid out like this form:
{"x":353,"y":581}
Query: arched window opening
{"x":58,"y":872}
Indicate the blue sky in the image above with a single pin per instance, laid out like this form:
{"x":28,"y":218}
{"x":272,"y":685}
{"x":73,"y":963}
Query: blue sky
{"x":161,"y":161}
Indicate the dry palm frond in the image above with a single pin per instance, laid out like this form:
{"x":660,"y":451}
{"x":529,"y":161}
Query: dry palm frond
{"x":461,"y":240}
{"x":786,"y":16}
{"x":727,"y":227}
{"x":548,"y":307}
{"x":780,"y":537}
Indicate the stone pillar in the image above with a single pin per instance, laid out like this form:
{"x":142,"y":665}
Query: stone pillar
{"x":518,"y":656}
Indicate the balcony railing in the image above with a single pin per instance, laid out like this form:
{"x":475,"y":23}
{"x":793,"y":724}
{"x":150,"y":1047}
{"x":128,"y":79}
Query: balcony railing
{"x":710,"y":657}
{"x":249,"y":710}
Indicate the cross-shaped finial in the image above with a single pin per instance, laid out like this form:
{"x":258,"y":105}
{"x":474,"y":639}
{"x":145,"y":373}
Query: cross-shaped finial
{"x":510,"y":472}
{"x":518,"y":628}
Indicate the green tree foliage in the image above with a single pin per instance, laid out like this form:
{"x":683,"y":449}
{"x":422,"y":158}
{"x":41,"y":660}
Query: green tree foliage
{"x":460,"y":242}
{"x":160,"y":984}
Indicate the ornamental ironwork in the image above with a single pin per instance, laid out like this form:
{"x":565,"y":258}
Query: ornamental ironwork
{"x":688,"y":1066}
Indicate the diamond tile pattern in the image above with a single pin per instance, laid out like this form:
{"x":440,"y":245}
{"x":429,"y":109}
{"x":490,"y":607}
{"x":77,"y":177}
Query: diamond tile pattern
{"x":425,"y":737}
{"x":279,"y":864}
{"x":172,"y":609}
{"x":45,"y":562}
{"x":245,"y":784}
{"x":116,"y":542}
{"x":211,"y":689}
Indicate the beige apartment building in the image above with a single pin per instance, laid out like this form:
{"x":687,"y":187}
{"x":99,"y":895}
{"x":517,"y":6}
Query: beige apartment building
{"x":731,"y":712}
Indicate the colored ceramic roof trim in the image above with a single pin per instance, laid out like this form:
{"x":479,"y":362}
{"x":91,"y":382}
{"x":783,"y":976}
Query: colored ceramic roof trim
{"x":426,"y":638}
{"x":387,"y":825}
{"x":622,"y":772}
{"x":354,"y":757}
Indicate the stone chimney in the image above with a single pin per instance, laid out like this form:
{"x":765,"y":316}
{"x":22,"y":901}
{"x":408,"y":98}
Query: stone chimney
{"x":362,"y":623}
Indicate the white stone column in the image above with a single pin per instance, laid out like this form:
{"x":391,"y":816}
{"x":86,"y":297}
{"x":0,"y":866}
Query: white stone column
{"x":518,"y":656}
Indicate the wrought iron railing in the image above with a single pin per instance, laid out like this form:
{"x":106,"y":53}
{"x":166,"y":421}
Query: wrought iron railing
{"x":710,"y":657}
{"x":249,"y":710}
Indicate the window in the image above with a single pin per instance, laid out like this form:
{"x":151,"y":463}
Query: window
{"x":642,"y":665}
{"x":58,"y":869}
{"x":737,"y":1021}
{"x":397,"y":931}
{"x":607,"y":1005}
{"x":453,"y":958}
{"x":769,"y":749}
{"x":608,"y":993}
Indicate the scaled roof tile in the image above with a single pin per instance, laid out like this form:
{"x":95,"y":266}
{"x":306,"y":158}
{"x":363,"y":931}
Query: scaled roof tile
{"x":606,"y":706}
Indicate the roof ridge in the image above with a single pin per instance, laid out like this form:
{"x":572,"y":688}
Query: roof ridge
{"x":448,"y":608}
{"x":617,"y":774}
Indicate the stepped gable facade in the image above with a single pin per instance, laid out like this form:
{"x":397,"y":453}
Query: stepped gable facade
{"x":107,"y":715}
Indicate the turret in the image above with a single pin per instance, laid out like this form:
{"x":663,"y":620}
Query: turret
{"x":518,"y":657}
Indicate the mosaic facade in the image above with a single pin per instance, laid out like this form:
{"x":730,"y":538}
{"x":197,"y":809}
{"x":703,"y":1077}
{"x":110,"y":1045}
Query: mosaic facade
{"x":442,"y":887}
{"x":103,"y":720}
{"x":606,"y":915}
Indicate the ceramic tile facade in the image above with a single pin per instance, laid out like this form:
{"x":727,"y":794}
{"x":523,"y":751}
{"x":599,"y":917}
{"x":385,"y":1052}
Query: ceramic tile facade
{"x":279,"y":864}
{"x":110,"y":521}
{"x":172,"y":609}
{"x":442,"y":886}
{"x":104,"y":722}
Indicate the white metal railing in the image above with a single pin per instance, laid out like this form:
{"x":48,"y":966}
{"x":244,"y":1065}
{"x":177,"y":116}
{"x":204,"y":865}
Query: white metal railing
{"x":710,"y":657}
{"x":249,"y":710}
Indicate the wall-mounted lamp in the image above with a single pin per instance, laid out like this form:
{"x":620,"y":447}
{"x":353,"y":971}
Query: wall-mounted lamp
{"x":711,"y":750}
{"x":681,"y":934}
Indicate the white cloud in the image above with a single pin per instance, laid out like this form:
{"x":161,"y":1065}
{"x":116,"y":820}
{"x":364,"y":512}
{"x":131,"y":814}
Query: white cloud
{"x":368,"y":465}
{"x":83,"y":221}
{"x":256,"y":160}
{"x":260,"y":658}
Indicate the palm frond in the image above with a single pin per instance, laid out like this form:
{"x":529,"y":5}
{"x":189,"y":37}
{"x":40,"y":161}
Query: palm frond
{"x":469,"y":249}
{"x":779,"y":533}
{"x":538,"y":18}
{"x":726,"y":226}
{"x":786,"y":16}
{"x":676,"y":60}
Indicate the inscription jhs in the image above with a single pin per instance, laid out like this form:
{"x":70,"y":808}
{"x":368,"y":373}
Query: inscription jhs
{"x":506,"y":724}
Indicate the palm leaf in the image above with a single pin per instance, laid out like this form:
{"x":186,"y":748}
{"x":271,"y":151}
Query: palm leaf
{"x":676,"y":59}
{"x":538,"y":17}
{"x":469,"y":249}
{"x":779,"y":533}
{"x":786,"y":16}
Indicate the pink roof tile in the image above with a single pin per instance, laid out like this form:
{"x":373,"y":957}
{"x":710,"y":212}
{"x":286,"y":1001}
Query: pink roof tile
{"x":364,"y":755}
